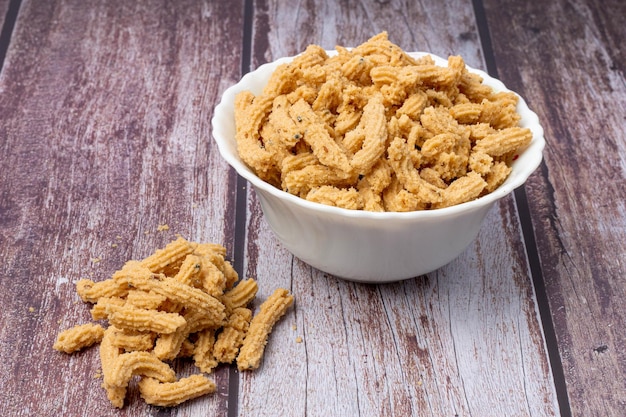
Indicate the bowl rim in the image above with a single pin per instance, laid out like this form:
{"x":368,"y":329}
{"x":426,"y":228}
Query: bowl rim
{"x":528,"y":161}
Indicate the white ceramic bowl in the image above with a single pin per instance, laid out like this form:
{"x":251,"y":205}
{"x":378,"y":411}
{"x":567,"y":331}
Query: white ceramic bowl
{"x":369,"y":246}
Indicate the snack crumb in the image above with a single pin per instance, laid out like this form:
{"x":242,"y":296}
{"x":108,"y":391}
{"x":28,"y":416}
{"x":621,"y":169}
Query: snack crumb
{"x":163,"y":228}
{"x":298,"y":339}
{"x":95,"y":260}
{"x":31,"y":309}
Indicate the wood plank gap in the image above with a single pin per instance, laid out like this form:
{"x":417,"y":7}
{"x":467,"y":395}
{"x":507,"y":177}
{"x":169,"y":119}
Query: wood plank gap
{"x":528,"y":233}
{"x":241,"y":203}
{"x":7,"y":29}
{"x":558,"y":374}
{"x":485,"y":38}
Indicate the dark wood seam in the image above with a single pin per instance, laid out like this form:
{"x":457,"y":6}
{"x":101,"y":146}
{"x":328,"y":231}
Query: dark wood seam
{"x":7,"y":28}
{"x":530,"y":244}
{"x":241,"y":202}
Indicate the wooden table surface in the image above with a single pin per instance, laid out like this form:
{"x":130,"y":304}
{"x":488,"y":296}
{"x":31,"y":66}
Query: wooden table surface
{"x":105,"y":134}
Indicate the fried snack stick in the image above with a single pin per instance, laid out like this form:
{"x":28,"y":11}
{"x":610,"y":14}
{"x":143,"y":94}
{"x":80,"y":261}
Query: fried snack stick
{"x":466,"y":113}
{"x":213,"y":280}
{"x":169,"y":259}
{"x":201,"y":272}
{"x":408,"y":176}
{"x":136,"y":275}
{"x":78,"y":337}
{"x":215,"y":253}
{"x":396,"y":198}
{"x":128,"y":364}
{"x":374,"y":125}
{"x":168,"y":394}
{"x":139,"y":319}
{"x":132,"y":340}
{"x":339,"y":197}
{"x":504,"y":141}
{"x":203,"y":355}
{"x":372,"y":185}
{"x":240,"y":295}
{"x":91,"y":292}
{"x":99,"y":310}
{"x":168,"y":345}
{"x":254,"y":343}
{"x":109,"y":352}
{"x":250,"y":112}
{"x":496,"y":176}
{"x":448,"y":154}
{"x":324,"y":146}
{"x":463,"y":189}
{"x":301,"y":181}
{"x":144,"y":299}
{"x":231,"y":337}
{"x":189,"y":271}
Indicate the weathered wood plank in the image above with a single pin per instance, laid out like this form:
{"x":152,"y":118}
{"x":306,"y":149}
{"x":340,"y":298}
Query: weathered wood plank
{"x":465,"y":340}
{"x":105,"y":134}
{"x":567,"y":58}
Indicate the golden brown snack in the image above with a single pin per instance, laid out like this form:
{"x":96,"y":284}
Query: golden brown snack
{"x":241,"y":294}
{"x":465,"y":188}
{"x":203,"y":351}
{"x":99,"y":309}
{"x":130,"y":340}
{"x":171,"y":311}
{"x":189,"y":271}
{"x":78,"y":337}
{"x":231,"y":337}
{"x":504,"y":141}
{"x":320,"y":130}
{"x":173,"y":290}
{"x":270,"y":312}
{"x":169,"y":394}
{"x":338,"y":197}
{"x":315,"y":134}
{"x":128,"y":364}
{"x":168,"y":346}
{"x":145,"y":299}
{"x":109,"y":352}
{"x":138,"y":319}
{"x":91,"y":292}
{"x":169,"y":259}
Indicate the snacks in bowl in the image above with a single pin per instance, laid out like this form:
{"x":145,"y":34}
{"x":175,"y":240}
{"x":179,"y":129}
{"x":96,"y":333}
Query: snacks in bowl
{"x":182,"y":301}
{"x":375,"y":129}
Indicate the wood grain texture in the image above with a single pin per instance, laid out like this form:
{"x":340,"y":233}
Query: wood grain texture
{"x":567,"y":58}
{"x":464,"y":340}
{"x":105,"y":114}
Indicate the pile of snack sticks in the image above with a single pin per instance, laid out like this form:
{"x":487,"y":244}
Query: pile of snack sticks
{"x":183,"y":301}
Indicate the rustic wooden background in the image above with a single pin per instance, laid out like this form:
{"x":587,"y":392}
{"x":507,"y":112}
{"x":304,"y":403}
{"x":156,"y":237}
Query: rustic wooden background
{"x":105,"y":134}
